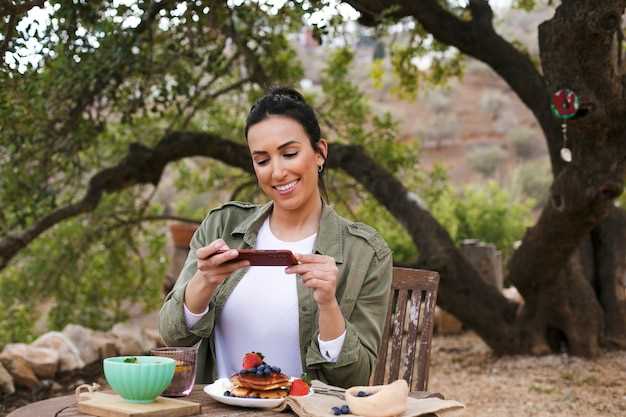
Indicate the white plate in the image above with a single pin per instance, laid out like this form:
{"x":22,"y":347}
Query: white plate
{"x":216,"y":391}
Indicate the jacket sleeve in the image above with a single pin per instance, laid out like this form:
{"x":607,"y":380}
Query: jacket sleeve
{"x":364,"y":329}
{"x":172,"y":325}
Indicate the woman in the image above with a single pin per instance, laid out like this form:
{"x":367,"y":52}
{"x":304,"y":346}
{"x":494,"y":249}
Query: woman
{"x":323,"y":316}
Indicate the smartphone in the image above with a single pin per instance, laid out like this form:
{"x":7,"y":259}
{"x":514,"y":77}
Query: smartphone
{"x":265,"y":257}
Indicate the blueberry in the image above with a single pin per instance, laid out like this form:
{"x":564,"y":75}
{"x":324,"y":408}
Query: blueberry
{"x":336,"y":411}
{"x":276,"y":369}
{"x":362,"y":394}
{"x":267,"y":371}
{"x":227,"y":394}
{"x":345,"y":409}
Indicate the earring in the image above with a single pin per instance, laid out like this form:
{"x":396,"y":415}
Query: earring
{"x":320,"y":168}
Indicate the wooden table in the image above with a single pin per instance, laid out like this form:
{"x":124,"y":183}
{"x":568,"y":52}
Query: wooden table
{"x":66,"y":407}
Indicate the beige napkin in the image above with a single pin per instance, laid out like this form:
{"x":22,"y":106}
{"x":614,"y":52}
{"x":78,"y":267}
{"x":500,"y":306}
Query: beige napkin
{"x":318,"y":405}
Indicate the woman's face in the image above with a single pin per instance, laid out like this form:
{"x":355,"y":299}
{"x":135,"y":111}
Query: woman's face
{"x":284,"y":161}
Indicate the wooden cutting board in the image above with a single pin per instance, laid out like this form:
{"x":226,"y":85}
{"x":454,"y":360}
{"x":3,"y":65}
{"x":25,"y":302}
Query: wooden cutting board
{"x":112,"y":405}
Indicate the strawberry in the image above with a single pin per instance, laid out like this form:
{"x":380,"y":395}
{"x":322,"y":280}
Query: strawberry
{"x":252,"y":360}
{"x":298,"y":387}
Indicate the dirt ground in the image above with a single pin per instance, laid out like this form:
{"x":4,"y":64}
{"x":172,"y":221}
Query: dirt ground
{"x":463,"y":369}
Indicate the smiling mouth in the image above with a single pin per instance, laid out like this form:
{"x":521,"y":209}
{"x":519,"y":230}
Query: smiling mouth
{"x":286,"y":187}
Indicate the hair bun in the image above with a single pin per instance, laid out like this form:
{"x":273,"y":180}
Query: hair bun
{"x":286,"y":92}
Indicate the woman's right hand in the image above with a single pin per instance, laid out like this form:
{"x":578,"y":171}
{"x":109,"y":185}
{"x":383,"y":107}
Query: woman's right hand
{"x":213,"y":269}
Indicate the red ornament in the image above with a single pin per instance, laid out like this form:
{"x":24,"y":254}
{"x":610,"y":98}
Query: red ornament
{"x":565,"y":103}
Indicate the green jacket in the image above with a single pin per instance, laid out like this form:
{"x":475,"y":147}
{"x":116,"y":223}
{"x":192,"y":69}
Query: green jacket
{"x":365,"y":266}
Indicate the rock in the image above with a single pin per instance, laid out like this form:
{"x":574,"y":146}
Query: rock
{"x":155,"y":336}
{"x":45,"y":386}
{"x":20,"y":370}
{"x":69,"y":356}
{"x":77,"y":383}
{"x":131,"y":340}
{"x":6,"y":381}
{"x":43,"y":361}
{"x":446,"y":323}
{"x":105,"y":343}
{"x":82,"y":338}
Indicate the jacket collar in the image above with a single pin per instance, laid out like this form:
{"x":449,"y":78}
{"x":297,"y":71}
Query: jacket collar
{"x":329,"y":240}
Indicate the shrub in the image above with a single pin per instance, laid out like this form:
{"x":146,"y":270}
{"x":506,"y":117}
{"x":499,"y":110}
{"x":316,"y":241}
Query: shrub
{"x":443,"y":127}
{"x":533,"y":180}
{"x":91,"y":268}
{"x":491,"y":214}
{"x":493,"y":102}
{"x":525,"y":142}
{"x":486,"y":159}
{"x":438,"y":101}
{"x":488,"y":213}
{"x":16,"y":323}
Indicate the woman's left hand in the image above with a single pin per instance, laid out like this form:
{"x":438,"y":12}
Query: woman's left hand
{"x":319,"y":272}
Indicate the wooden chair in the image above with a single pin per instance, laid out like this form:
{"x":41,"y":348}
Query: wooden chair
{"x":413,"y":295}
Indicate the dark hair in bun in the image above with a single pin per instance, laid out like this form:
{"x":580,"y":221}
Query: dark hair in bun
{"x":285,"y":101}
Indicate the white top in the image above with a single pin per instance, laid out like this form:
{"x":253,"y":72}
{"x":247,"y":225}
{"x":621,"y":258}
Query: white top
{"x":262,"y":315}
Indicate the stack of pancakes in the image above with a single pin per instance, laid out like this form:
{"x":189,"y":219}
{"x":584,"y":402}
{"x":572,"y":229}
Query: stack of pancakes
{"x":275,"y":385}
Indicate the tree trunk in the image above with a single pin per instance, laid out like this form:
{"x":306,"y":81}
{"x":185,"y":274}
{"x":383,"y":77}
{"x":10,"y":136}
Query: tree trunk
{"x":564,"y":316}
{"x":577,"y":310}
{"x":609,"y":240}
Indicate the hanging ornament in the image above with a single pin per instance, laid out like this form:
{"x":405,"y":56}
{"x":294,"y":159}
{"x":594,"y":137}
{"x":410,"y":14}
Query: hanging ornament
{"x":566,"y":153}
{"x":565,"y":105}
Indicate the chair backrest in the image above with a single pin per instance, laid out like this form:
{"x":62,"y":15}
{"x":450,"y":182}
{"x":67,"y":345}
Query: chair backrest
{"x":413,"y":296}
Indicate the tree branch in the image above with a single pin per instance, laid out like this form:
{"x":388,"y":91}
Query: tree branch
{"x":478,"y":39}
{"x":158,"y":218}
{"x":460,"y":281}
{"x":8,"y":35}
{"x":240,"y":188}
{"x":257,"y":72}
{"x":112,"y":76}
{"x":141,"y":166}
{"x":482,"y":13}
{"x":461,"y":284}
{"x":202,"y":101}
{"x":10,"y":8}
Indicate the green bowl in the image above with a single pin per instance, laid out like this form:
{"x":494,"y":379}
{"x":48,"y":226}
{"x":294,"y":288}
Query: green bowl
{"x":140,"y":381}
